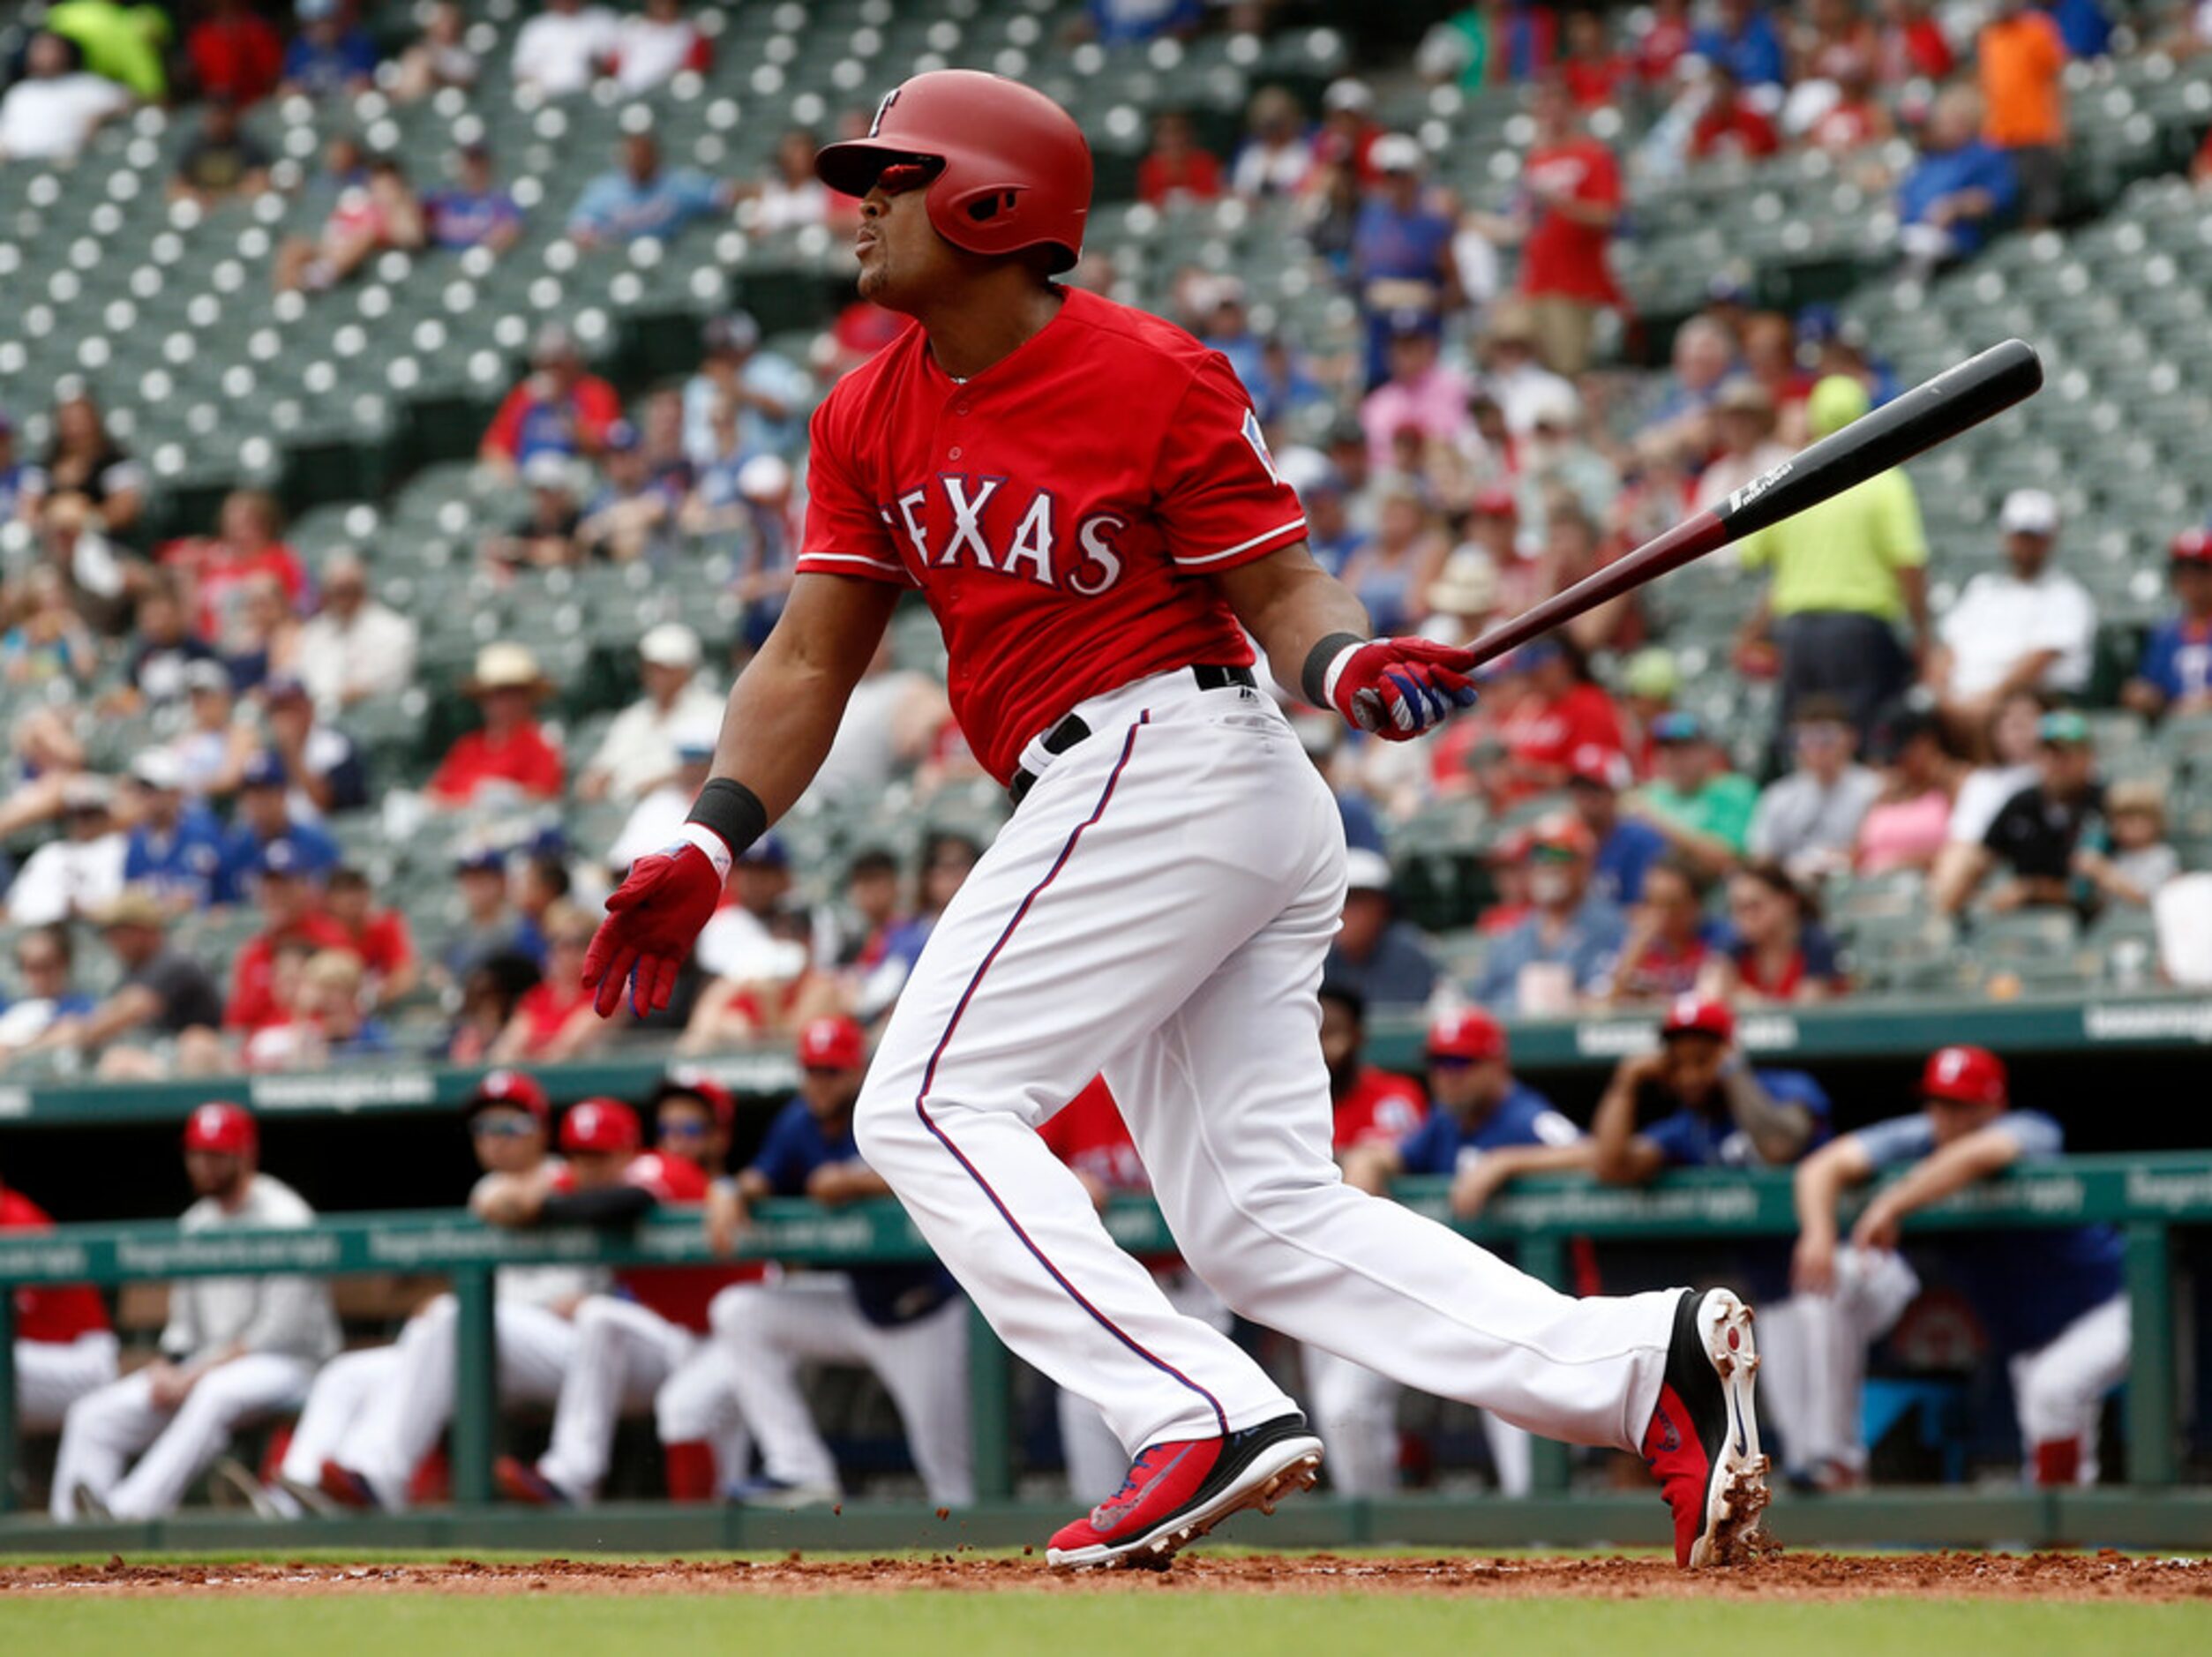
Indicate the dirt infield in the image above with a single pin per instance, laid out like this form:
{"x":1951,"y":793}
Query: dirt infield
{"x":1788,"y":1576}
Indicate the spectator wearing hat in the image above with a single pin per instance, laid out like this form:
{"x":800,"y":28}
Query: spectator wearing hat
{"x":1743,"y":424}
{"x":2029,"y":625}
{"x":632,"y":516}
{"x":1177,"y":168}
{"x":2125,"y":858}
{"x":322,"y":766}
{"x":544,"y":535}
{"x":564,"y":47}
{"x":1809,"y":820}
{"x":79,"y":873}
{"x":1571,"y":206}
{"x":553,"y":1020}
{"x":766,"y":391}
{"x":235,"y":1349}
{"x":2175,"y":674}
{"x":174,"y":847}
{"x":1420,"y":392}
{"x":268,"y":819}
{"x":1702,"y":807}
{"x":2036,"y":834}
{"x":52,"y":112}
{"x":1959,"y":191}
{"x":487,"y":923}
{"x":1626,"y":846}
{"x":289,"y":897}
{"x":1564,"y":714}
{"x":332,"y":56}
{"x":1775,"y":950}
{"x":559,"y":407}
{"x":1848,"y":573}
{"x":1563,"y":950}
{"x":222,"y":160}
{"x":62,"y":1347}
{"x":475,"y":210}
{"x":908,"y":1324}
{"x":639,"y":754}
{"x":1462,"y":601}
{"x":1383,"y":958}
{"x":642,"y":198}
{"x":510,"y":755}
{"x":354,"y":647}
{"x":379,"y":937}
{"x":1401,"y":248}
{"x":2050,"y":1299}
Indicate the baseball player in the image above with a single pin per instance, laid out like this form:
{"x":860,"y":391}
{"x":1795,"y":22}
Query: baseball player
{"x":1486,"y":1127}
{"x":63,"y":1348}
{"x":236,"y":1349}
{"x":1082,"y":495}
{"x":370,"y":1459}
{"x":628,"y":1346}
{"x":1090,"y":1137}
{"x":908,"y":1324}
{"x":2051,"y":1297}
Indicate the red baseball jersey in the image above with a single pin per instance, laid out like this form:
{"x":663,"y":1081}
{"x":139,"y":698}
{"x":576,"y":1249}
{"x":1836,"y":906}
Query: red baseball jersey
{"x":1090,"y":1137}
{"x":679,"y":1293}
{"x":1059,"y":510}
{"x":60,"y":1314}
{"x":1379,"y":1109}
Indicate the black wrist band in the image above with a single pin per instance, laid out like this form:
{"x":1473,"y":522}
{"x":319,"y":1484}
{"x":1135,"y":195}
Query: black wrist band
{"x":1315,"y":677}
{"x":732,"y":810}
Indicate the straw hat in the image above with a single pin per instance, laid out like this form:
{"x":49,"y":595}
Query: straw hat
{"x":1467,"y":585}
{"x":506,"y":666}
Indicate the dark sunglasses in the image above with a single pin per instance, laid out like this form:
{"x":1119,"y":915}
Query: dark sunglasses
{"x":1449,"y":1062}
{"x":502,"y":1125}
{"x":684,"y":1131}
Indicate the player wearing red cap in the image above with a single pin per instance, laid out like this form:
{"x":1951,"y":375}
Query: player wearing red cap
{"x":906,"y":1323}
{"x":2050,"y":1299}
{"x":63,"y":1348}
{"x":1084,"y":498}
{"x":234,"y":1350}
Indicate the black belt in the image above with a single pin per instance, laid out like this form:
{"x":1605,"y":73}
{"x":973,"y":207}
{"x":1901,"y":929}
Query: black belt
{"x":1072,"y":730}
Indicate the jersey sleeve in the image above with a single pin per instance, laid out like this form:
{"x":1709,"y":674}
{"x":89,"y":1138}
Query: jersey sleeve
{"x":846,"y":532}
{"x":1549,"y":1127}
{"x":1900,"y":1139}
{"x":1795,"y":1087}
{"x":1219,"y":498}
{"x":1680,"y":1138}
{"x":783,"y":1160}
{"x":2036,"y":1135}
{"x":1431,"y":1147}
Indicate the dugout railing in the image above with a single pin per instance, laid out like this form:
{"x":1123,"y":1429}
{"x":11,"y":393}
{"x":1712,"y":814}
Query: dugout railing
{"x":2147,"y":1197}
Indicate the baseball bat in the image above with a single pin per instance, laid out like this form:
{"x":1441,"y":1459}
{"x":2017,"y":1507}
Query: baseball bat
{"x":1932,"y":413}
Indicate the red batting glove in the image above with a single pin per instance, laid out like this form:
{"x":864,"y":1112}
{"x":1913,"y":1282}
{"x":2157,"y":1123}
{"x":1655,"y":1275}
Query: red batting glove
{"x":1397,"y":688}
{"x":653,"y":919}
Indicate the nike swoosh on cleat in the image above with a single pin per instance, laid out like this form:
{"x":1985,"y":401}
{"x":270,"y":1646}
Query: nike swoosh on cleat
{"x":1108,"y":1514}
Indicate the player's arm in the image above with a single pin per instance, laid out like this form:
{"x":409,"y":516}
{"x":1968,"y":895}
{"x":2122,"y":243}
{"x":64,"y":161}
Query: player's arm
{"x":1778,"y":1130}
{"x":1371,"y":1168}
{"x":1956,"y":1166}
{"x":1618,"y":1154}
{"x":835,"y":1183}
{"x":1478,"y":1181}
{"x":784,"y":713}
{"x":1820,"y":1182}
{"x":1397,"y":688}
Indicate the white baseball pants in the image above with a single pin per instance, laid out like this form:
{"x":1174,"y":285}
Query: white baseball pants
{"x":1159,"y":908}
{"x":1355,"y":1412}
{"x":626,"y":1358}
{"x":765,"y":1330}
{"x":341,"y":1395}
{"x":104,"y":1429}
{"x":2058,"y":1388}
{"x":1812,"y":1357}
{"x":52,"y":1375}
{"x":1097,"y":1461}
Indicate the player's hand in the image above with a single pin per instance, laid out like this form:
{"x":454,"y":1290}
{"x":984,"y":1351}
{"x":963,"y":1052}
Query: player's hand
{"x":168,"y":1385}
{"x":1877,"y":1227}
{"x":1812,"y":1265}
{"x":1397,"y":688}
{"x":1475,"y":1184}
{"x":653,"y":919}
{"x":726,"y":1218}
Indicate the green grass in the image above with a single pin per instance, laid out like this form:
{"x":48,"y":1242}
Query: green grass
{"x":1022,"y":1625}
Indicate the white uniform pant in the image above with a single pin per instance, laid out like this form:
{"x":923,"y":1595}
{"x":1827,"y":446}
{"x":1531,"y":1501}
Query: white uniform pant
{"x":104,"y":1429}
{"x":2058,"y":1388}
{"x":765,"y":1330}
{"x":1812,"y":1357}
{"x":52,"y":1375}
{"x":1355,"y":1412}
{"x":627,"y":1358}
{"x":1159,"y":908}
{"x":343,"y":1390}
{"x":1097,"y":1461}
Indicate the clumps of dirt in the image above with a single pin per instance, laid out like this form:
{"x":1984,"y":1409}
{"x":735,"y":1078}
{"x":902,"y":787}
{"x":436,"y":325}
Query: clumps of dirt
{"x":1774,"y":1574}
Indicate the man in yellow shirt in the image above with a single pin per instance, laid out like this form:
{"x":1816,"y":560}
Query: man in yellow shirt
{"x":1847,"y":573}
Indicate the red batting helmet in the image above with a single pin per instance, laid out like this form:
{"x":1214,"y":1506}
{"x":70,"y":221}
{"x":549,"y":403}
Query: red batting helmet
{"x":1698,"y":1016}
{"x":599,"y":1124}
{"x":1011,"y":168}
{"x":1964,"y":1076}
{"x":1467,"y":1033}
{"x":514,"y":1088}
{"x":221,"y":1126}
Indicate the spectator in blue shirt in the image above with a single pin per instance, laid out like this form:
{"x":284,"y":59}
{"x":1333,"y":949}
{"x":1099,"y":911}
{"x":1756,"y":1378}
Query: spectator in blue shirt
{"x":907,"y":1322}
{"x":642,"y":198}
{"x":176,"y":849}
{"x":1743,"y":38}
{"x":44,"y":960}
{"x":1564,"y":949}
{"x":1401,"y":249}
{"x":18,"y":481}
{"x":1133,"y":22}
{"x":265,"y":819}
{"x":1380,"y":957}
{"x":473,"y":211}
{"x":332,"y":56}
{"x":2175,"y":674}
{"x":2083,"y":25}
{"x":767,"y":393}
{"x":2050,"y":1297}
{"x":1225,"y":325}
{"x":1961,"y":189}
{"x":1627,"y":846}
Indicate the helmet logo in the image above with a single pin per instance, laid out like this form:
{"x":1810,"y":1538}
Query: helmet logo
{"x":875,"y":127}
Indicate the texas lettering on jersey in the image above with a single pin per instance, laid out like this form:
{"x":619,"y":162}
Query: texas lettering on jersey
{"x":1060,"y":512}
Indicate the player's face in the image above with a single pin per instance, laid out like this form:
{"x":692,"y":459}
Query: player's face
{"x":1465,"y":1087}
{"x":1693,"y":1065}
{"x":1340,"y":1040}
{"x":830,"y":1091}
{"x":214,"y":1173}
{"x":685,"y":1129}
{"x":2192,"y":586}
{"x":902,"y":258}
{"x":597,"y":1170}
{"x":507,"y":1141}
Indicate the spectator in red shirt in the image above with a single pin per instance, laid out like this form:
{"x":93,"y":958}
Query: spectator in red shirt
{"x":379,"y":936}
{"x":1573,"y":187}
{"x":558,"y":408}
{"x":248,"y":542}
{"x":1372,"y":1107}
{"x":512,"y":753}
{"x":1176,"y":168}
{"x":1593,"y":72}
{"x":236,"y":54}
{"x":1912,"y":43}
{"x":1857,"y":118}
{"x":1565,"y":716}
{"x":554,"y":1021}
{"x":64,"y":1347}
{"x":1668,"y":943}
{"x":1730,"y":126}
{"x":291,"y":906}
{"x":1663,"y":41}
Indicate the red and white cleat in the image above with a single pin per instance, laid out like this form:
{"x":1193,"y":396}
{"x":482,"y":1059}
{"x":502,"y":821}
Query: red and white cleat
{"x":1178,"y":1490}
{"x":1703,"y":1440}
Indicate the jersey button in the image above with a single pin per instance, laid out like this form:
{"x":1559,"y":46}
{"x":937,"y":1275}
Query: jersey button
{"x":960,"y":408}
{"x":953,"y":453}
